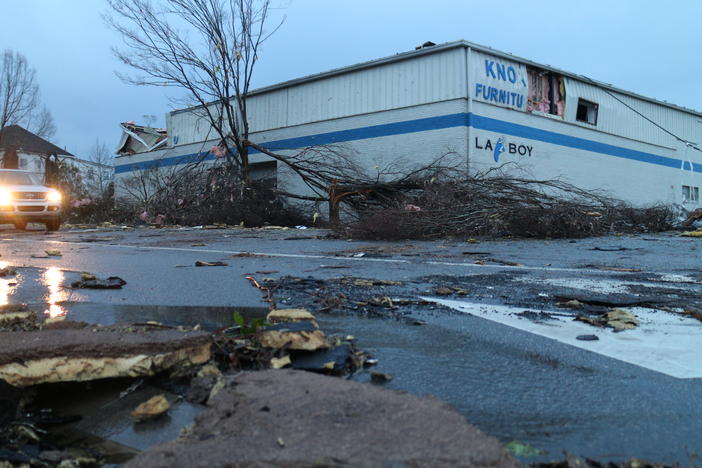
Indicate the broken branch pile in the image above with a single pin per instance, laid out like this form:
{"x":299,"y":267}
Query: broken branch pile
{"x":499,"y":206}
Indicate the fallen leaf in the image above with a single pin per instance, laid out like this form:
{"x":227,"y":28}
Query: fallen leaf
{"x":53,"y":253}
{"x":520,"y":449}
{"x":200,"y":263}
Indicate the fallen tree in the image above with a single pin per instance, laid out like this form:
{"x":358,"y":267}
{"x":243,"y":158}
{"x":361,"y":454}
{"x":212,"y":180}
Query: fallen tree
{"x":429,"y":204}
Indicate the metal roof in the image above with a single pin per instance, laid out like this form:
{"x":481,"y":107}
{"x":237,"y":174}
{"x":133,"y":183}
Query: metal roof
{"x":447,"y":46}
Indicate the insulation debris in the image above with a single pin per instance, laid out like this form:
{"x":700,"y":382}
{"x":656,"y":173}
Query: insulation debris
{"x":90,"y":353}
{"x":300,"y":336}
{"x":289,"y":315}
{"x":151,"y":409}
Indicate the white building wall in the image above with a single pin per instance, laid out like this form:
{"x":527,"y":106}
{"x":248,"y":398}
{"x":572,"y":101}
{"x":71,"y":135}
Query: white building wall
{"x":425,"y":79}
{"x":623,"y":155}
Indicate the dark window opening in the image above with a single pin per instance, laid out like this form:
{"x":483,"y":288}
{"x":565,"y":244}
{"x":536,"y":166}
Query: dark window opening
{"x":587,"y":112}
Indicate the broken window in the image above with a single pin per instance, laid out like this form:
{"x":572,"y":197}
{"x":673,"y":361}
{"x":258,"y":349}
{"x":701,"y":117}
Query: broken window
{"x":546,"y":92}
{"x":690,"y":194}
{"x":587,"y":112}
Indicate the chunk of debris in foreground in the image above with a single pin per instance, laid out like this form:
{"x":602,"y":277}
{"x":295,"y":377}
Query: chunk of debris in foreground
{"x":90,"y":353}
{"x":324,"y":421}
{"x":294,"y":329}
{"x":151,"y":408}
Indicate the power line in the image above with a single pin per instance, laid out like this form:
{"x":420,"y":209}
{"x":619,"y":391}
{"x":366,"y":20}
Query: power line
{"x":688,"y":143}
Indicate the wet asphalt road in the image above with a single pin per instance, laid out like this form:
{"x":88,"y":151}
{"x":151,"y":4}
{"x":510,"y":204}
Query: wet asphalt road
{"x":509,"y":382}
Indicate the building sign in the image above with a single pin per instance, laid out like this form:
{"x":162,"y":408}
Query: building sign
{"x":498,"y":81}
{"x":502,"y":145}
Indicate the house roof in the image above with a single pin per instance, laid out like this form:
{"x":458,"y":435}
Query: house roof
{"x":26,"y":141}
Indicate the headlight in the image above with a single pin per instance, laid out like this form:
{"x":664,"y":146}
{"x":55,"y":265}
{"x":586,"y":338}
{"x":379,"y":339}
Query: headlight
{"x":5,"y":197}
{"x":53,"y":196}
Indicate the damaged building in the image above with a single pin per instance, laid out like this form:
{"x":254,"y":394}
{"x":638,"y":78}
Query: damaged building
{"x":140,"y":139}
{"x":490,"y":108}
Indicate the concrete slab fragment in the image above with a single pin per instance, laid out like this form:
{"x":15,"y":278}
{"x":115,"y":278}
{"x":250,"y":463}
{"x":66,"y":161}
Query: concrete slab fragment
{"x":294,"y":419}
{"x":90,"y":353}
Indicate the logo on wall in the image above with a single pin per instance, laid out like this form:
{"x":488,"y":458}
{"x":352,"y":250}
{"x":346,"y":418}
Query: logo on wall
{"x":501,"y":145}
{"x":499,"y":149}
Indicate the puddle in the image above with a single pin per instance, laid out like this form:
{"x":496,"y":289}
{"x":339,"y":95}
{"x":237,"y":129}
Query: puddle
{"x":209,"y":318}
{"x":47,"y":292}
{"x":105,"y":417}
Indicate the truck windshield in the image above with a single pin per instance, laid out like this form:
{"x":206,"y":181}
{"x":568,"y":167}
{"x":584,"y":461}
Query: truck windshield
{"x":18,"y":178}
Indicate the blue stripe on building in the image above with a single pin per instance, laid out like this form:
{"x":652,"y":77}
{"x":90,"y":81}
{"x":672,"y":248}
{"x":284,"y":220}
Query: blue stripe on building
{"x":435,"y":123}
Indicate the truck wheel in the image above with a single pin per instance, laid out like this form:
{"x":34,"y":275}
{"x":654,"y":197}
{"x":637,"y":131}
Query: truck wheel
{"x":53,"y":225}
{"x":20,"y":224}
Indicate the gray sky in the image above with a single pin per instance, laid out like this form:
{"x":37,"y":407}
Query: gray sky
{"x":649,"y":47}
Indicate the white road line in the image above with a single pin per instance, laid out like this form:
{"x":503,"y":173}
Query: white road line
{"x":328,"y":257}
{"x":663,"y":342}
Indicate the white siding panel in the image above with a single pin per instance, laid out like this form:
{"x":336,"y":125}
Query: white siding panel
{"x":269,"y":110}
{"x":430,"y":78}
{"x":615,"y":118}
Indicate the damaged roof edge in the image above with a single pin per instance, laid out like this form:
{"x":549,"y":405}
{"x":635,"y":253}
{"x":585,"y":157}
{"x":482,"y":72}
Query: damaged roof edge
{"x":444,"y":47}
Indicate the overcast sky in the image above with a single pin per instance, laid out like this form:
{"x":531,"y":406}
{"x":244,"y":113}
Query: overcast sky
{"x":649,"y":47}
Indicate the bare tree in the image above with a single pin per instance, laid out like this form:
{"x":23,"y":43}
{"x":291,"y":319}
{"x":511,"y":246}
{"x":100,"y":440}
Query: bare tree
{"x":41,"y":123}
{"x":213,"y":58}
{"x":19,"y":96}
{"x":101,"y":176}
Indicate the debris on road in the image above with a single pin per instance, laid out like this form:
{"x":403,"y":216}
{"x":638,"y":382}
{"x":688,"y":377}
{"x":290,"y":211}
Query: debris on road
{"x":53,"y":253}
{"x":380,"y":377}
{"x":449,"y":290}
{"x":697,"y":233}
{"x":288,"y":337}
{"x":151,"y":409}
{"x":85,"y":276}
{"x":366,"y":283}
{"x":288,"y":406}
{"x":112,"y":282}
{"x":200,"y":263}
{"x":247,"y":255}
{"x":279,"y":363}
{"x":618,"y":319}
{"x":304,"y":336}
{"x":587,"y":337}
{"x":290,"y":315}
{"x":7,"y":271}
{"x":17,"y":317}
